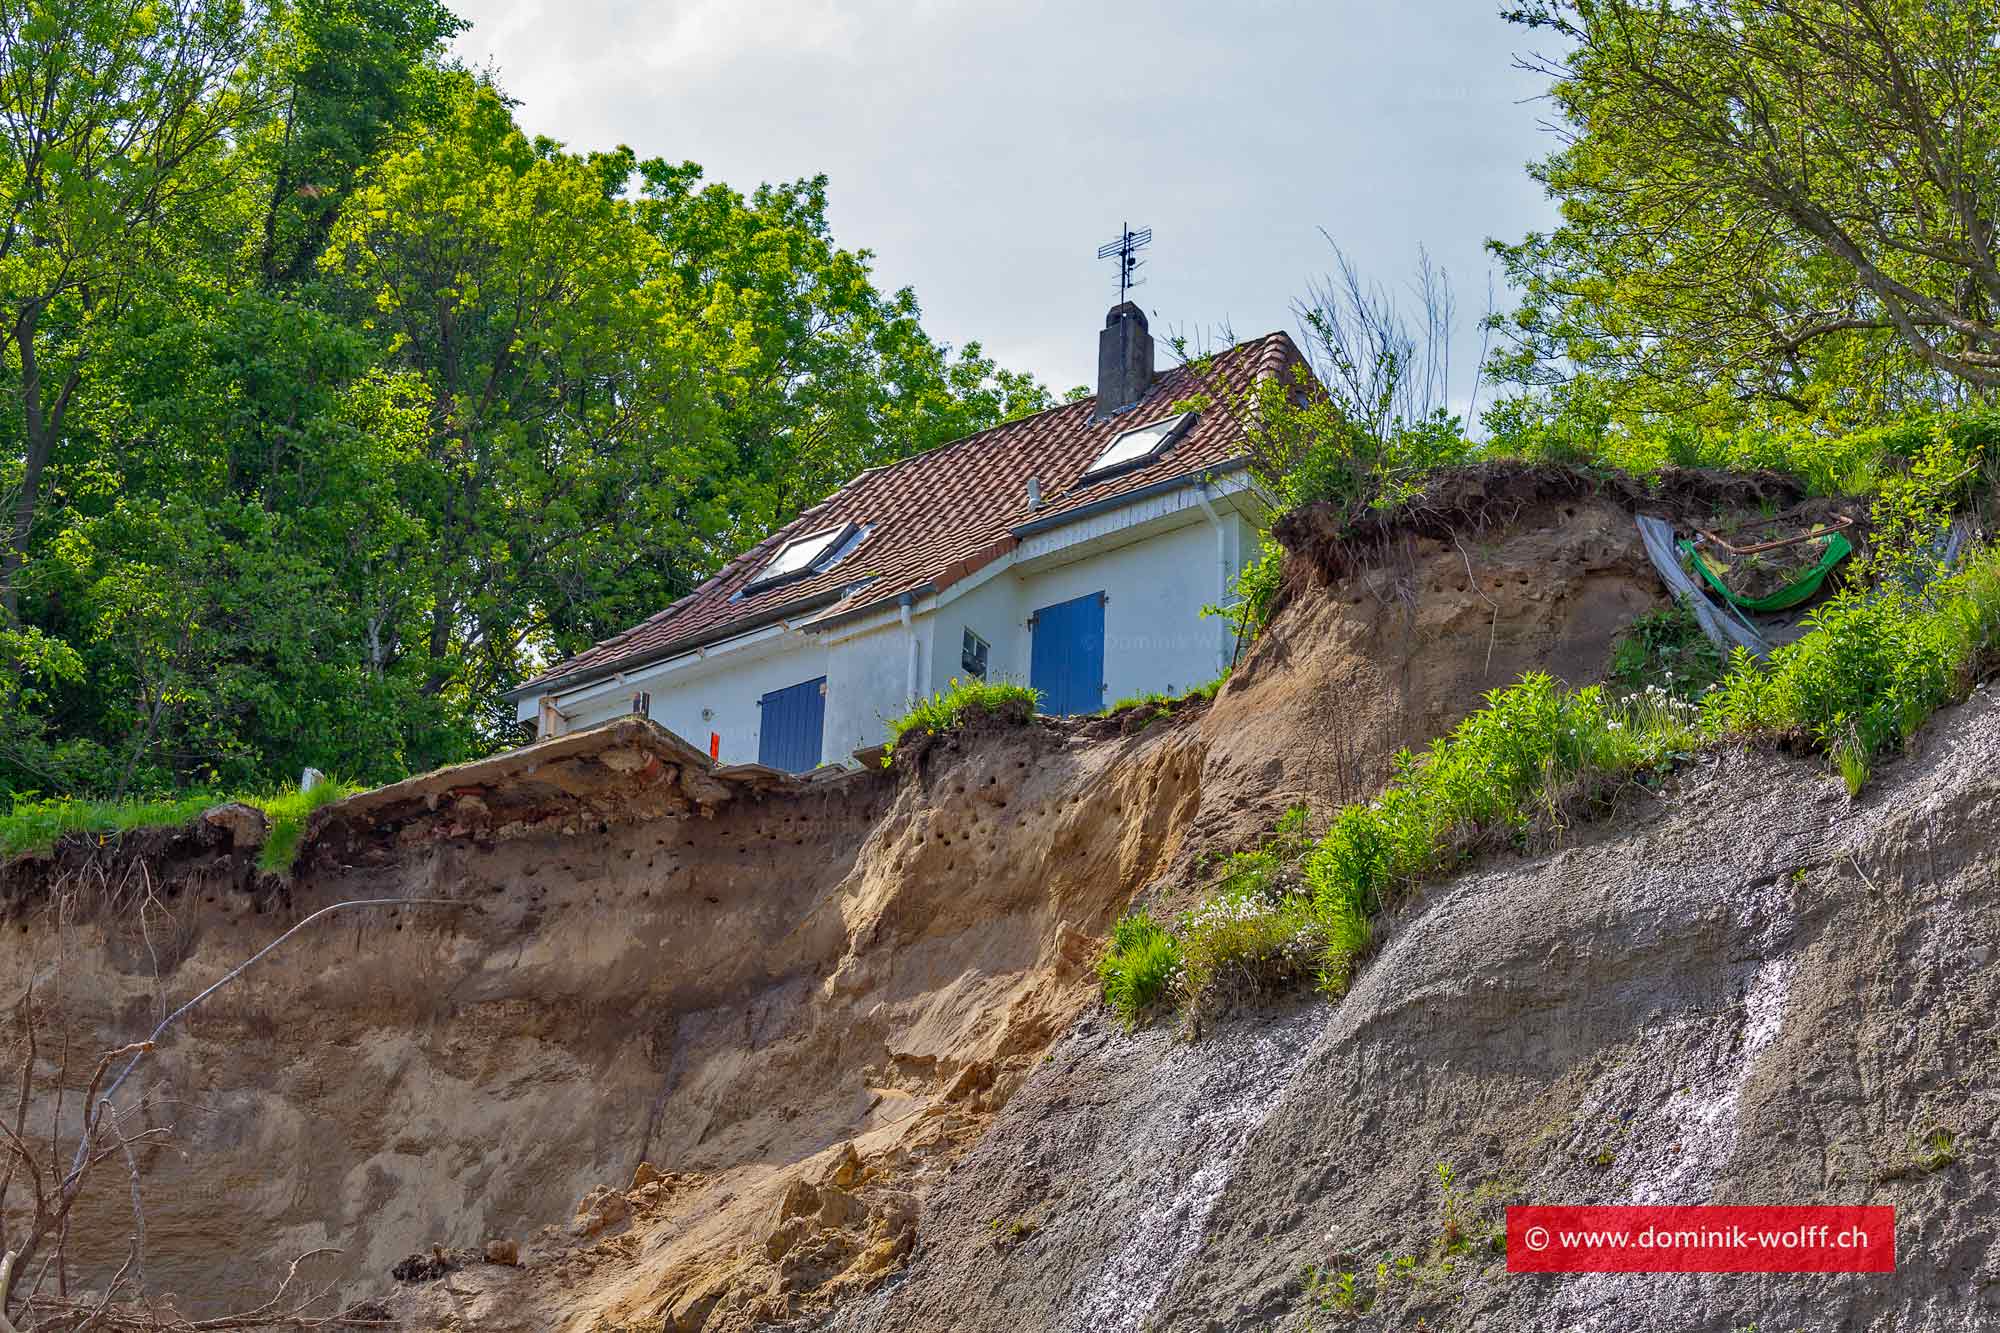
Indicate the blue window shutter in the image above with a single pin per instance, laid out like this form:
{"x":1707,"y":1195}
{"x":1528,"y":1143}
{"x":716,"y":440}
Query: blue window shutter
{"x":1067,"y":659}
{"x":791,"y":733}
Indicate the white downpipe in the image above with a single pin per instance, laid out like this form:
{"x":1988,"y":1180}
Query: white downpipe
{"x":1223,"y":564}
{"x":910,"y":624}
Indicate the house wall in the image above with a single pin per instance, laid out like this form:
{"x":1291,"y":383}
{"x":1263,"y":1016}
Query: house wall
{"x":726,"y":684}
{"x":1155,"y":636}
{"x":1158,"y":563}
{"x":992,"y":610}
{"x":868,"y":678}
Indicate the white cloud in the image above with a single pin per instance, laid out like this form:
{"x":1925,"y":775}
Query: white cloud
{"x":983,"y":151}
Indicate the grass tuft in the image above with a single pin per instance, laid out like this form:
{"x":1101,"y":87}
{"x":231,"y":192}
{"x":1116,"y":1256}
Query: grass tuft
{"x":1139,"y":968}
{"x":288,"y":813}
{"x":1666,"y":649}
{"x":1163,"y":704}
{"x":951,"y":707}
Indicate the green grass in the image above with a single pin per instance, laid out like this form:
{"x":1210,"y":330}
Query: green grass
{"x":1299,"y":908}
{"x":1512,"y":770}
{"x":1166,"y":702}
{"x":288,"y":812}
{"x":1140,"y":967}
{"x":1153,"y":697}
{"x":36,"y":825}
{"x":1870,"y":669}
{"x":950,"y":708}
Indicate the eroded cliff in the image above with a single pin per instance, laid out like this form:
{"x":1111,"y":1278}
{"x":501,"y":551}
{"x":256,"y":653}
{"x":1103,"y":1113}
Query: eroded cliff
{"x":714,"y":1049}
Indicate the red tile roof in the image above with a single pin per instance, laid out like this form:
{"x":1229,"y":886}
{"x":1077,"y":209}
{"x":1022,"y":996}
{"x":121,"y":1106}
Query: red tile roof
{"x":937,"y":517}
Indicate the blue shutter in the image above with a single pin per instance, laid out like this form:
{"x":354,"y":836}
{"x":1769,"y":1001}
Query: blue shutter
{"x":791,"y":733}
{"x":1067,"y":664}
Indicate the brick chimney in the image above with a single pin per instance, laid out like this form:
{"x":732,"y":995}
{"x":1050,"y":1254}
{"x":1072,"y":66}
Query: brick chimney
{"x":1124,"y":359}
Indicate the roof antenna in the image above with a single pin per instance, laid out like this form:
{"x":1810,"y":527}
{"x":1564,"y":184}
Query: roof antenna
{"x":1127,"y":248}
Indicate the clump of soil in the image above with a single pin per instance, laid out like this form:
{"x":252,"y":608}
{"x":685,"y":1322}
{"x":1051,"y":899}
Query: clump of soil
{"x":915,"y":745}
{"x":1458,"y":502}
{"x":425,"y":1267}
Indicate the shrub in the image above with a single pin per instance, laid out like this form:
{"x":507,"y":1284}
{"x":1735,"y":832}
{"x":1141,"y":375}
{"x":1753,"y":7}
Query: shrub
{"x":1254,"y":931}
{"x":950,"y":708}
{"x":1506,"y":768}
{"x":1870,"y":667}
{"x":1140,"y":967}
{"x":1257,"y":586}
{"x":1297,"y":907}
{"x":1246,"y":940}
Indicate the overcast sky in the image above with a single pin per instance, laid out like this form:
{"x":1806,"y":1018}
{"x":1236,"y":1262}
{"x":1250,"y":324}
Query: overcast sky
{"x":984,"y":151}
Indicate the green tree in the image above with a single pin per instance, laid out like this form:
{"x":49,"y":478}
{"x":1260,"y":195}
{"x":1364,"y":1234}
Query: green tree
{"x":1772,"y":202}
{"x":818,"y":375}
{"x":566,"y":419}
{"x":334,"y":404}
{"x":349,"y":74}
{"x":111,"y":118}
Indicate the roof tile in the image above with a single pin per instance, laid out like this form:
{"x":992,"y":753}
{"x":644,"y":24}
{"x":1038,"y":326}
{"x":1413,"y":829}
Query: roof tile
{"x":938,"y":517}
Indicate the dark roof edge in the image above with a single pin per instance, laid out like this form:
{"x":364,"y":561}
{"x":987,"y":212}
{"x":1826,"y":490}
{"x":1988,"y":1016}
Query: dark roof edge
{"x":727,"y":630}
{"x":1123,"y":498}
{"x":924,"y":589}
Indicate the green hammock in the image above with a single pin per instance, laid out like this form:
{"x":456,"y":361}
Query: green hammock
{"x":1798,"y":590}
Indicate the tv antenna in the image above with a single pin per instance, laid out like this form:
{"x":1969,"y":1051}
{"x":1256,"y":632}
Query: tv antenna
{"x":1126,"y":248}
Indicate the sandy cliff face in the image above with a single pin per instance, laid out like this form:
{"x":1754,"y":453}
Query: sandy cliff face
{"x":860,"y":968}
{"x":1750,"y":991}
{"x":717,"y":1049}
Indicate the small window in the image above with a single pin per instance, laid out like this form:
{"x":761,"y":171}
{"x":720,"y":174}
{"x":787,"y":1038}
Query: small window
{"x":802,"y":557}
{"x":972,"y":657}
{"x":642,"y":704}
{"x":1139,"y":446}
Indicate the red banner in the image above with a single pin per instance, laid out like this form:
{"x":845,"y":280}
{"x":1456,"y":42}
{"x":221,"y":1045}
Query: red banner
{"x":1835,"y":1238}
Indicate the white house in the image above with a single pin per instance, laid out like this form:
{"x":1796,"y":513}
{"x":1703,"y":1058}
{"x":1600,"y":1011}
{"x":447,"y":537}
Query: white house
{"x":1072,"y":550}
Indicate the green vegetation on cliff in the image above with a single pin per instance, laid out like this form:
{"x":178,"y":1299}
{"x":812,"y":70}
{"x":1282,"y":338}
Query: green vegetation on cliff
{"x":1872,"y":666}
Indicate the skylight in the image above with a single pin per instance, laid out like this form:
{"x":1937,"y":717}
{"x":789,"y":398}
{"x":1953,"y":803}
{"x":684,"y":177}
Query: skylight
{"x":801,"y":557}
{"x":1138,"y":446}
